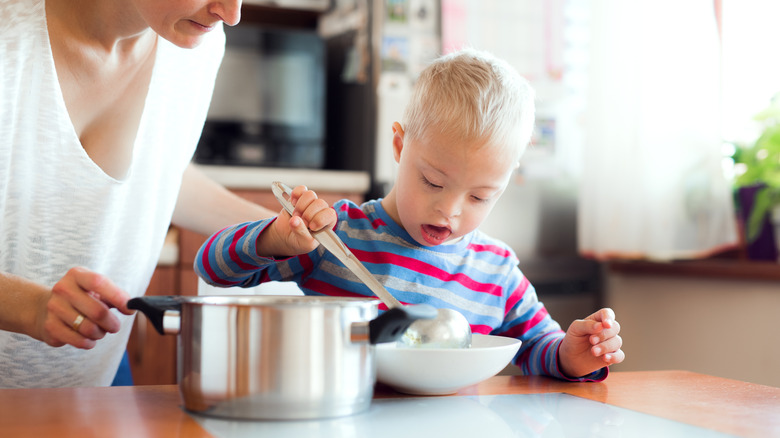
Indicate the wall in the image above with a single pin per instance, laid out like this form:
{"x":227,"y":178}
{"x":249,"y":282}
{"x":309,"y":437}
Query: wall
{"x":716,"y":326}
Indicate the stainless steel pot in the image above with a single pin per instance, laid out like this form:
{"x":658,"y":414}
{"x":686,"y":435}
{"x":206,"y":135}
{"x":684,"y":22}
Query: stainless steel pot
{"x":276,"y":357}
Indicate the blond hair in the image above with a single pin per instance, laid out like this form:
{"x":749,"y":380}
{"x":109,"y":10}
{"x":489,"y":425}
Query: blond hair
{"x":471,"y":95}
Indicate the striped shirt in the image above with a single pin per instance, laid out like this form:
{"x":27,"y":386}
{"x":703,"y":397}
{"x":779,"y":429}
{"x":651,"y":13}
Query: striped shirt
{"x":477,"y":276}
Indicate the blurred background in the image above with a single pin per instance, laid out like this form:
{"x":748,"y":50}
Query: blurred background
{"x":630,"y":195}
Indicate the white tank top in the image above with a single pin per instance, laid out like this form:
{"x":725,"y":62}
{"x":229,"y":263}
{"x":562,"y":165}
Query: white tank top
{"x":58,"y":209}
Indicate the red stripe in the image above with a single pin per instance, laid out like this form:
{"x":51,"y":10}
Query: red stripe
{"x":498,"y":250}
{"x":333,"y":291}
{"x":354,"y":213}
{"x":305,"y":262}
{"x":378,"y":223}
{"x":523,"y":327}
{"x":357,"y":213}
{"x":264,"y":277}
{"x":481,"y":329}
{"x":545,"y":370}
{"x":330,"y":290}
{"x":524,"y":359}
{"x":234,"y":255}
{"x":516,"y":295}
{"x":207,"y":266}
{"x":427,"y":269}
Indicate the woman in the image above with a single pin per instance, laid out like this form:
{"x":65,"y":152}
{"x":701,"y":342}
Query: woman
{"x":103,"y":102}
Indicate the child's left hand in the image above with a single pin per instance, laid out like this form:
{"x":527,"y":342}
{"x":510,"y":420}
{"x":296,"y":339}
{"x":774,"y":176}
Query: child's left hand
{"x":591,"y":344}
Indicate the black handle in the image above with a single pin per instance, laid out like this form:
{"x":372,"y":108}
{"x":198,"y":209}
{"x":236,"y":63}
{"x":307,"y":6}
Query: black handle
{"x":392,"y":324}
{"x":154,"y":307}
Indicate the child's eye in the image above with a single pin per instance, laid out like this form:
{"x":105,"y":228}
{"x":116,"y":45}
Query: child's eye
{"x":428,"y":183}
{"x":478,"y":199}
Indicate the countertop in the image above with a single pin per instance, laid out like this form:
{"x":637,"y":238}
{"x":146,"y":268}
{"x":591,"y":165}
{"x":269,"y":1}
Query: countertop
{"x":725,"y":268}
{"x":685,"y":403}
{"x":240,"y":177}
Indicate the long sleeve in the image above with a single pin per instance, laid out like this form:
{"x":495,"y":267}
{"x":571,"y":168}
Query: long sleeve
{"x":229,"y":257}
{"x":528,"y":320}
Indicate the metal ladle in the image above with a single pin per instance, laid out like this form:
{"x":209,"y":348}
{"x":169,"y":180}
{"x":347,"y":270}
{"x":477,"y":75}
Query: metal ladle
{"x":449,"y":329}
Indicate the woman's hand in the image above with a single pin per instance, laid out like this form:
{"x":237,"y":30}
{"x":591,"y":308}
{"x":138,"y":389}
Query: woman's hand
{"x":591,"y":344}
{"x":78,"y":311}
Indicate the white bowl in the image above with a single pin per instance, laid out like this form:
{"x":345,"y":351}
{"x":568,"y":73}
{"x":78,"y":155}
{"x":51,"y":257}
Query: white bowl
{"x":439,"y":371}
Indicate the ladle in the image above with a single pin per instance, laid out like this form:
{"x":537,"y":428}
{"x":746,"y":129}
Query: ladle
{"x":449,"y":329}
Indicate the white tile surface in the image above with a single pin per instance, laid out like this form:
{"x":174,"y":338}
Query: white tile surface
{"x":553,"y":415}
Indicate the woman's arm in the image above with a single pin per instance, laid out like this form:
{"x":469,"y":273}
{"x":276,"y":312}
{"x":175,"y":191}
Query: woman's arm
{"x":75,"y":311}
{"x":204,"y":206}
{"x":22,"y":303}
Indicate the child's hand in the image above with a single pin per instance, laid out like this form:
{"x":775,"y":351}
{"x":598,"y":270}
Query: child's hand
{"x":291,"y":234}
{"x":591,"y":344}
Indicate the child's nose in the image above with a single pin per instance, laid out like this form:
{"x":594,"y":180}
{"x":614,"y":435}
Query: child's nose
{"x":448,"y":207}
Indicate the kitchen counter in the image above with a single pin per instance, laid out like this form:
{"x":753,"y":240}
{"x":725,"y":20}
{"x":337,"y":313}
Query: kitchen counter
{"x":239,"y":177}
{"x":674,"y":403}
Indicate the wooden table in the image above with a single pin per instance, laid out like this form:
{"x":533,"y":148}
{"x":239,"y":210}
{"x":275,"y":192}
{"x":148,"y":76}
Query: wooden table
{"x":728,"y":406}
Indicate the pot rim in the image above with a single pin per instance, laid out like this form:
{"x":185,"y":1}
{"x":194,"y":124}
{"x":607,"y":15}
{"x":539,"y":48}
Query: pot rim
{"x":279,"y":301}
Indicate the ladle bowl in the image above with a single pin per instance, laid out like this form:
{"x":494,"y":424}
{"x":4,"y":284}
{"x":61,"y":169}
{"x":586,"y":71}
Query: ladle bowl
{"x":450,"y":329}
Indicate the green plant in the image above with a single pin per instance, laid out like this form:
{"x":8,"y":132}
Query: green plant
{"x":760,"y":165}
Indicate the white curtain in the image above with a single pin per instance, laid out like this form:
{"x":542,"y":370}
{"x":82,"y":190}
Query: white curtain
{"x":652,"y":184}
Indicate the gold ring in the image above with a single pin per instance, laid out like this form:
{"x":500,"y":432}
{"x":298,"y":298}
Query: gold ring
{"x":77,"y":322}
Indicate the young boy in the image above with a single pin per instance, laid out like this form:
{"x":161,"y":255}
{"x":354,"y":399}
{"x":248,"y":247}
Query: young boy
{"x":466,"y":126}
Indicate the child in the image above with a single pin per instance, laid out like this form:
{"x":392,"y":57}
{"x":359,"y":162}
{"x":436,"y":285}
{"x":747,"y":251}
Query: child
{"x":467,"y":124}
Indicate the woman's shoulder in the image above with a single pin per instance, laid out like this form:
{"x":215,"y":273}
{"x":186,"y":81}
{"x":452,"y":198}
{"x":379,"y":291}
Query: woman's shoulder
{"x":19,"y":18}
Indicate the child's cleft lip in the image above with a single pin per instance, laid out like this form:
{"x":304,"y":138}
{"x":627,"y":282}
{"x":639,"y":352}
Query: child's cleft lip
{"x":435,"y":235}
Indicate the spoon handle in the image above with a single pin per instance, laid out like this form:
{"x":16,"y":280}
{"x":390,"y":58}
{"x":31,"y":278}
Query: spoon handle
{"x":335,"y":245}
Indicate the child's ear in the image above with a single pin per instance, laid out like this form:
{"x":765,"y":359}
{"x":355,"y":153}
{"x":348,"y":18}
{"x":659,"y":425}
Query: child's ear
{"x":398,"y":141}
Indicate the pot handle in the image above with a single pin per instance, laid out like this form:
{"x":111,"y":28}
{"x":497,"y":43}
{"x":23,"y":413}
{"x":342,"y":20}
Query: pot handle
{"x":392,"y":324}
{"x":156,"y":307}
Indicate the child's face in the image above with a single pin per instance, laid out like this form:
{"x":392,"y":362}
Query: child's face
{"x":443,"y":190}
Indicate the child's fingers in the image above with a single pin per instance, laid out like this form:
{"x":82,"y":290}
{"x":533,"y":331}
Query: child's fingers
{"x":610,"y":345}
{"x":323,"y":218}
{"x":298,"y":227}
{"x":614,"y":357}
{"x":603,"y":333}
{"x":605,"y":315}
{"x":303,"y":200}
{"x":585,"y":327}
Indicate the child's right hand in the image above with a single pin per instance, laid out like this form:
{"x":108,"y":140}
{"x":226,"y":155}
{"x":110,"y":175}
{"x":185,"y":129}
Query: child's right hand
{"x":291,"y":235}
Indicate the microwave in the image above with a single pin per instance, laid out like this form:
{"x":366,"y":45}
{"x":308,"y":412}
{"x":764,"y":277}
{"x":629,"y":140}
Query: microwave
{"x":268,"y":107}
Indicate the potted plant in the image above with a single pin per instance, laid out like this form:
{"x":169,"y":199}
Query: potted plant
{"x":758,"y":183}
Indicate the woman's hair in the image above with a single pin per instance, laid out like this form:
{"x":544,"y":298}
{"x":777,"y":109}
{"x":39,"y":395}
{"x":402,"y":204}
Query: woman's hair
{"x":471,"y":95}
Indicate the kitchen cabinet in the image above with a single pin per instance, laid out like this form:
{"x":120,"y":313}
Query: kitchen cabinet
{"x":705,"y":316}
{"x":153,"y":356}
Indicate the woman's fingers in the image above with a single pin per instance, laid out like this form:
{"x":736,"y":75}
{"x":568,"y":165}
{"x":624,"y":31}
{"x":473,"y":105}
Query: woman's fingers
{"x":79,"y":309}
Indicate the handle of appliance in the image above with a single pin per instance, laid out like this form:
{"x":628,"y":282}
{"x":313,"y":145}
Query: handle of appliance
{"x":336,"y":246}
{"x":163,"y":311}
{"x":391,"y":325}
